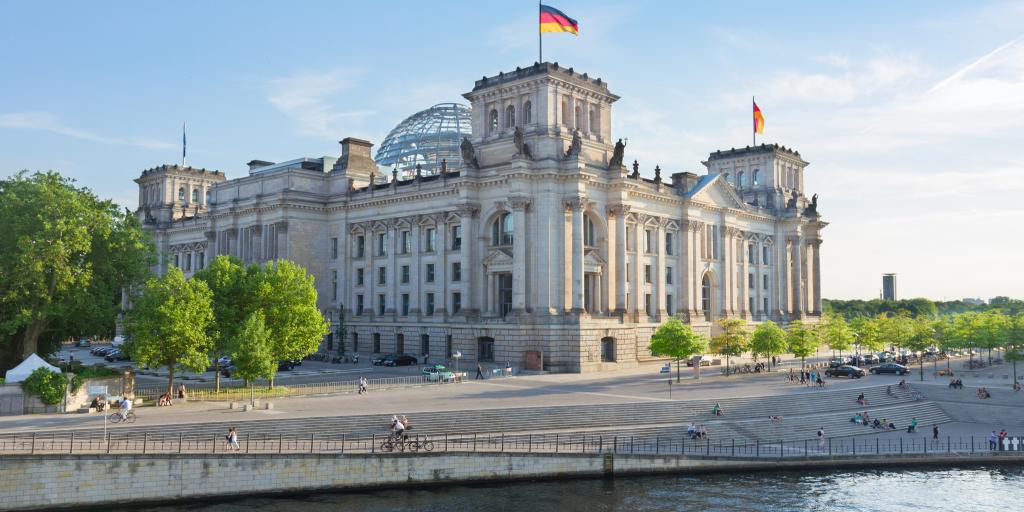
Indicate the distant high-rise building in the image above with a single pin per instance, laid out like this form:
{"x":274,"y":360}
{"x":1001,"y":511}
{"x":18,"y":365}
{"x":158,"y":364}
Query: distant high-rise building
{"x":889,"y":287}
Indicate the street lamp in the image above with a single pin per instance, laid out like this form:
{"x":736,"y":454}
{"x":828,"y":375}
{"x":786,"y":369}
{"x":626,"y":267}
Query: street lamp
{"x":456,"y":356}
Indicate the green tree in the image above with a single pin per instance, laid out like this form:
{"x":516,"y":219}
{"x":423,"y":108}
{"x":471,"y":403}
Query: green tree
{"x":768,"y":339}
{"x":677,"y":340}
{"x":1015,"y":342}
{"x":170,"y":324}
{"x":992,"y":327}
{"x":867,"y":333}
{"x":836,"y":332}
{"x":233,"y":291}
{"x":252,"y":351}
{"x":802,"y":340}
{"x":66,"y":256}
{"x":922,"y":337}
{"x":732,"y":341}
{"x":286,"y":295}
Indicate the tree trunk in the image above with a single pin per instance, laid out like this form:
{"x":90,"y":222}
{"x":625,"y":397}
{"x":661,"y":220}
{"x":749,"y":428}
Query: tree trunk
{"x":170,"y":379}
{"x":678,"y":371}
{"x":727,"y":365}
{"x":216,"y":377}
{"x":30,"y":338}
{"x":920,"y":363}
{"x":801,"y":362}
{"x":768,"y":357}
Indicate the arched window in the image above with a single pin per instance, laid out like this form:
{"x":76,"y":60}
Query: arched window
{"x":181,"y":194}
{"x":739,"y":179}
{"x":726,"y":176}
{"x":589,"y":236}
{"x":207,"y":197}
{"x":565,"y":113}
{"x":501,"y":232}
{"x":510,"y":116}
{"x":579,"y":118}
{"x":195,"y":195}
{"x":493,"y":121}
{"x":705,"y":297}
{"x":757,"y":178}
{"x":527,"y":113}
{"x":594,"y":128}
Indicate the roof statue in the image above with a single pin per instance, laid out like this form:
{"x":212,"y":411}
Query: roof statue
{"x":469,"y":154}
{"x":616,"y":160}
{"x":522,"y":149}
{"x":575,"y":146}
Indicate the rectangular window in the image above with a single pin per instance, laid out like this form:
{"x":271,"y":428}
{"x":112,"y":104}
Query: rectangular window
{"x":764,"y":255}
{"x":648,"y":241}
{"x":360,"y":246}
{"x":382,"y":275}
{"x":714,"y":242}
{"x":359,"y":277}
{"x":628,"y":273}
{"x":751,"y":304}
{"x":202,"y":261}
{"x":376,"y":343}
{"x":405,"y":274}
{"x":750,"y":281}
{"x":750,"y":253}
{"x":430,"y":304}
{"x":405,"y":304}
{"x":188,"y":261}
{"x":670,"y":308}
{"x":359,"y":305}
{"x":334,"y":285}
{"x":504,"y":294}
{"x":430,"y":272}
{"x":765,"y":310}
{"x":334,"y":248}
{"x":355,"y":342}
{"x":456,"y":237}
{"x":647,"y":273}
{"x":382,"y":244}
{"x":647,"y":304}
{"x":424,"y":343}
{"x":381,"y":304}
{"x":629,"y":239}
{"x":669,"y":243}
{"x":177,"y":263}
{"x":406,"y":242}
{"x":448,"y":346}
{"x":456,"y":302}
{"x":456,"y":271}
{"x":485,"y":350}
{"x":431,"y":239}
{"x":764,"y":282}
{"x":668,"y":275}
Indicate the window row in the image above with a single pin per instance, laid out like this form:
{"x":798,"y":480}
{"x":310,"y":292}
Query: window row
{"x":184,"y":260}
{"x":493,"y":122}
{"x":404,"y":242}
{"x":400,"y":343}
{"x":742,"y":180}
{"x":405,"y":274}
{"x":429,"y":304}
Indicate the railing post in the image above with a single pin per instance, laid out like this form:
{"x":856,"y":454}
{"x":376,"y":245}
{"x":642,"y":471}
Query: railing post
{"x":733,"y":454}
{"x":854,"y":439}
{"x":630,"y":444}
{"x":179,"y":442}
{"x":247,"y":435}
{"x":311,"y":442}
{"x":72,"y":448}
{"x":108,"y":442}
{"x":805,"y":447}
{"x":33,"y":449}
{"x":972,"y":444}
{"x":373,"y":443}
{"x":709,"y":447}
{"x":657,"y":445}
{"x":780,"y":449}
{"x":343,"y":443}
{"x":757,"y":450}
{"x":556,"y":443}
{"x":877,"y":452}
{"x":830,"y":447}
{"x":901,"y":445}
{"x":145,"y":441}
{"x":446,"y":442}
{"x":584,"y":444}
{"x":502,"y":442}
{"x":925,"y":446}
{"x":280,"y":442}
{"x":474,"y":442}
{"x":949,"y":449}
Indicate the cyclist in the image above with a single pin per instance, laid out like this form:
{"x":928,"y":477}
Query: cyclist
{"x":126,"y":407}
{"x":397,"y":428}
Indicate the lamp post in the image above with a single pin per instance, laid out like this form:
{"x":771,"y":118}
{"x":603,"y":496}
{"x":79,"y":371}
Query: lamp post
{"x":456,"y":356}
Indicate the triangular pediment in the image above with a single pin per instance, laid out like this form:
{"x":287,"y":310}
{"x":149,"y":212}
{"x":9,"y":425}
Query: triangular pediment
{"x":715,"y":191}
{"x":593,"y":258}
{"x":498,"y":258}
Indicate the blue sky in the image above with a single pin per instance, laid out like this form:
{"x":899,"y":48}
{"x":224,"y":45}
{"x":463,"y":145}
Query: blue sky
{"x":911,"y":113}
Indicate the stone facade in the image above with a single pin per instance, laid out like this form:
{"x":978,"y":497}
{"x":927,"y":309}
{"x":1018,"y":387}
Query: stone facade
{"x":544,"y":243}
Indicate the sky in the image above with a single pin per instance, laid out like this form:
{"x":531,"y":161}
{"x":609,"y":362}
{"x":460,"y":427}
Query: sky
{"x":910,"y":113}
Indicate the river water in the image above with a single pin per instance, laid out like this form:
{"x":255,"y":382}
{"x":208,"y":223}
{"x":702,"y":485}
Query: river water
{"x":996,"y":488}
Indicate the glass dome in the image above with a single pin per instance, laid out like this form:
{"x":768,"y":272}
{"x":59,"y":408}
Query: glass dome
{"x":426,"y":138}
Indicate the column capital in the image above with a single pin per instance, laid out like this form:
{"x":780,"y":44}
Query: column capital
{"x":732,"y":231}
{"x":619,"y":209}
{"x":692,"y":225}
{"x":468,"y":209}
{"x":576,"y":202}
{"x":518,"y":203}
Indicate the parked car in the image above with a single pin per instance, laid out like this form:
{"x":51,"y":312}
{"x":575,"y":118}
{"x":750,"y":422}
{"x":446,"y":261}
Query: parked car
{"x":101,"y":351}
{"x":401,"y":360}
{"x":886,"y":357}
{"x":285,"y":366}
{"x":836,"y":362}
{"x":381,"y":360}
{"x":846,"y":370}
{"x":438,"y":372}
{"x":83,"y":343}
{"x":116,"y":355}
{"x":898,"y":369}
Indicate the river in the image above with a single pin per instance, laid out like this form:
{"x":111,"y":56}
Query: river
{"x":996,"y":488}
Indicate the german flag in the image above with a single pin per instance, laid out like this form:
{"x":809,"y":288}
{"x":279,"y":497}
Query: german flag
{"x":758,"y":119}
{"x":553,"y":20}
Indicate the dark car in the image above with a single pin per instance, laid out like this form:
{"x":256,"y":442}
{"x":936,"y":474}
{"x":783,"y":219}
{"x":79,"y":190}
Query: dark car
{"x":836,"y":362}
{"x":285,"y":366}
{"x":116,"y":355}
{"x":100,"y":351}
{"x":401,"y":360}
{"x":83,"y":343}
{"x":898,"y":369}
{"x":382,"y":360}
{"x":846,"y":370}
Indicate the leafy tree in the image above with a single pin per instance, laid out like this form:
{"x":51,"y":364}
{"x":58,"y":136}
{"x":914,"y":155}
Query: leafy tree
{"x":66,"y":256}
{"x":233,"y":289}
{"x":1015,"y":341}
{"x":286,"y":295}
{"x":836,"y":332}
{"x":921,"y":338}
{"x":252,"y":351}
{"x":803,"y":341}
{"x":677,"y":340}
{"x":732,"y":341}
{"x":945,"y":337}
{"x":48,"y":385}
{"x":768,"y":339}
{"x":992,"y":327}
{"x":170,"y":324}
{"x":867,"y":333}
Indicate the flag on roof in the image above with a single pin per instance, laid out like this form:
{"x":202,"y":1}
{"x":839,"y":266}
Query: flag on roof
{"x":553,"y":20}
{"x":758,"y":120}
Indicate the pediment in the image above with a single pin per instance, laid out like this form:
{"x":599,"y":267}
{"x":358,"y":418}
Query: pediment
{"x":718,"y":193}
{"x":498,"y":258}
{"x":593,"y":258}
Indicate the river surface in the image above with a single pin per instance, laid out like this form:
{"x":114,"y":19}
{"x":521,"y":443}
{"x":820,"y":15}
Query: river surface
{"x":997,"y":488}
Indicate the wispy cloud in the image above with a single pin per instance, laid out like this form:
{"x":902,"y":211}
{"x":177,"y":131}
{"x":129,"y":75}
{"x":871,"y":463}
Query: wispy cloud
{"x":45,"y":121}
{"x":310,"y":100}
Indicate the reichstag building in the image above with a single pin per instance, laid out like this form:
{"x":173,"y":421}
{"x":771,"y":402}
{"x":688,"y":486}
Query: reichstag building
{"x":513,"y":230}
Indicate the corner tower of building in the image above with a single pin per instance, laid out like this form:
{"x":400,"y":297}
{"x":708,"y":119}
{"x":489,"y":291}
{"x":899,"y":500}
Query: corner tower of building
{"x":549,"y":104}
{"x":171,"y":192}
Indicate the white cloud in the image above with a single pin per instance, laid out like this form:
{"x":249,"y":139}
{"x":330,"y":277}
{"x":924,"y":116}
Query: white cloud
{"x":852,"y":83}
{"x":45,"y":121}
{"x":310,"y":100}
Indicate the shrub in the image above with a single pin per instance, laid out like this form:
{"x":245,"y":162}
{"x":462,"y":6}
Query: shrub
{"x":90,"y":372}
{"x":49,"y":386}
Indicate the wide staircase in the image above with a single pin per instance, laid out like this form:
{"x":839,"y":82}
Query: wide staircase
{"x":745,"y":418}
{"x":1004,"y":407}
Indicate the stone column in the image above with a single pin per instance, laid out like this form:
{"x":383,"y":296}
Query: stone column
{"x":472,"y":276}
{"x":816,"y":307}
{"x":415,"y":231}
{"x":660,"y":294}
{"x":748,"y":312}
{"x":797,"y":278}
{"x":441,"y":270}
{"x":391,"y":298}
{"x":728,"y":271}
{"x":638,"y":270}
{"x":620,"y":212}
{"x":519,"y":246}
{"x":577,"y":204}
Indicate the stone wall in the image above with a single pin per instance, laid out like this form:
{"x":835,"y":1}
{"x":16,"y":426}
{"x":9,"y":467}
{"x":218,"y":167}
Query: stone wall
{"x":51,"y":481}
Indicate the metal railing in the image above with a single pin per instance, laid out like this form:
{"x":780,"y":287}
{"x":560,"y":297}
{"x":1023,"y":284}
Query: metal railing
{"x":237,"y":393}
{"x":147,"y":443}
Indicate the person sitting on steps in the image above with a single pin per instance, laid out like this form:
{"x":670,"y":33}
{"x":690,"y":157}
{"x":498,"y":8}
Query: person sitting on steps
{"x":717,"y":410}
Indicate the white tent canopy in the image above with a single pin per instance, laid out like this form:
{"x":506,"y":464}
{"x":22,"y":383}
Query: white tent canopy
{"x":29,"y":365}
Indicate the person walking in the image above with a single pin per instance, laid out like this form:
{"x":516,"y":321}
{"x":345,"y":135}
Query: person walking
{"x":362,"y":385}
{"x":479,"y":371}
{"x":231,"y":440}
{"x":821,"y":438}
{"x":935,"y":432}
{"x":993,"y":441}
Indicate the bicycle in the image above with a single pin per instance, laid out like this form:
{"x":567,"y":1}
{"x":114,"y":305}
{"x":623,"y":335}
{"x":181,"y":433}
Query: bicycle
{"x":116,"y":417}
{"x":417,"y":444}
{"x":393,"y":443}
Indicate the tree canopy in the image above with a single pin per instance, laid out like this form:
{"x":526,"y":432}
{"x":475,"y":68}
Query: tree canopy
{"x":802,"y":340}
{"x":66,"y":257}
{"x":252,"y":350}
{"x":677,"y":340}
{"x":732,"y":341}
{"x":768,"y":339}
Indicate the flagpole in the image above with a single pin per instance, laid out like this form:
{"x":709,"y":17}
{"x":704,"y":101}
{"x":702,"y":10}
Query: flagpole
{"x":753,"y":104}
{"x":183,"y":143}
{"x":540,"y":36}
